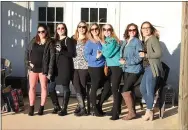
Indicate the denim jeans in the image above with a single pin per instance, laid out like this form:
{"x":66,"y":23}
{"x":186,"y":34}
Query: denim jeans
{"x":147,"y":87}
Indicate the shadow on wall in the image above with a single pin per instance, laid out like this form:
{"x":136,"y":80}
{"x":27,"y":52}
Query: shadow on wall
{"x":173,"y":61}
{"x":15,"y":28}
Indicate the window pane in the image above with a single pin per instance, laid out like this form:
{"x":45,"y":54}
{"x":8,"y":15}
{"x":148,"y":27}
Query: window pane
{"x":59,"y":14}
{"x":85,"y":14}
{"x":102,"y":15}
{"x":51,"y":29}
{"x":42,"y":14}
{"x":93,"y":14}
{"x":50,"y":14}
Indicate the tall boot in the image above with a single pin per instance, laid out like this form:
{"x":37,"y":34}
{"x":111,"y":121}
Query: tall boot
{"x":31,"y":111}
{"x":55,"y":102}
{"x":127,"y":96}
{"x":65,"y":102}
{"x":82,"y":111}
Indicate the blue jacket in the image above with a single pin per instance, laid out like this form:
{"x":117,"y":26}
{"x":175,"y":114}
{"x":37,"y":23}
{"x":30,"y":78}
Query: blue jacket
{"x":111,"y":51}
{"x":130,"y":52}
{"x":90,"y":53}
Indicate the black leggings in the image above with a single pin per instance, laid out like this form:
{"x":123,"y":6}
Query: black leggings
{"x":129,"y":80}
{"x":80,"y":80}
{"x":97,"y":76}
{"x":115,"y":77}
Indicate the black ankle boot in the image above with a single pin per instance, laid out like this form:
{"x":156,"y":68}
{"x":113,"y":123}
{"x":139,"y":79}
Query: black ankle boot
{"x":41,"y":109}
{"x":82,"y":112}
{"x":62,"y":112}
{"x":114,"y":118}
{"x":56,"y":109}
{"x":31,"y":111}
{"x":95,"y":112}
{"x":77,"y":110}
{"x":99,"y":107}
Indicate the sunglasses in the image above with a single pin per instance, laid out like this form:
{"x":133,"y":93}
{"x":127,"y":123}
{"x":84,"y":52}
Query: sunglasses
{"x":84,"y":27}
{"x":108,"y":29}
{"x":94,"y":29}
{"x":132,"y":30}
{"x":61,"y":28}
{"x":41,"y":31}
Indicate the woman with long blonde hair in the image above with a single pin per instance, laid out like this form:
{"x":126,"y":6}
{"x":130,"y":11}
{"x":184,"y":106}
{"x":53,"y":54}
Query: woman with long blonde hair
{"x":111,"y":52}
{"x":81,"y":74}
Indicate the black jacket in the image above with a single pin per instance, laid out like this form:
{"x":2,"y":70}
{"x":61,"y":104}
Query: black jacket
{"x":48,"y":56}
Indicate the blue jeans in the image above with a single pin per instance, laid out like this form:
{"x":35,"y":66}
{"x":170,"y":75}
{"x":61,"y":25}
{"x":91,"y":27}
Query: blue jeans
{"x":147,"y":87}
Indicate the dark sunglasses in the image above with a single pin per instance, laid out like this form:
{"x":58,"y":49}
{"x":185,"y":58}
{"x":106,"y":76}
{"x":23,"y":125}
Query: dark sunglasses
{"x":84,"y":27}
{"x":132,"y":30}
{"x":41,"y":31}
{"x":108,"y":30}
{"x":94,"y":29}
{"x":61,"y":28}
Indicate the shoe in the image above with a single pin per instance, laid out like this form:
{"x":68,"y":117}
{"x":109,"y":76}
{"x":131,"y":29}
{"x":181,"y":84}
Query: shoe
{"x":65,"y":102}
{"x":114,"y":118}
{"x":130,"y":105}
{"x":77,"y":110}
{"x":95,"y":112}
{"x":55,"y":102}
{"x":56,"y":109}
{"x":148,"y":115}
{"x":62,"y":113}
{"x":31,"y":111}
{"x":82,"y":112}
{"x":41,"y":109}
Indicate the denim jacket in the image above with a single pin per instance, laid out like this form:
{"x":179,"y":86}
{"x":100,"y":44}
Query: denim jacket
{"x":130,"y":52}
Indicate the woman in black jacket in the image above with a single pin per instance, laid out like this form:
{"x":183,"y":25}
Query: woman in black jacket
{"x":39,"y":59}
{"x":63,"y":68}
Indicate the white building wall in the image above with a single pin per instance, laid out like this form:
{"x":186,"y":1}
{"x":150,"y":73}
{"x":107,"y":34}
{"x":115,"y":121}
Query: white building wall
{"x":14,"y":34}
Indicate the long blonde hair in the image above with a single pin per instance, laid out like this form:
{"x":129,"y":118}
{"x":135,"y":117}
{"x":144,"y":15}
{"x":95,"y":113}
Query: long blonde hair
{"x":76,"y":34}
{"x":112,"y":35}
{"x":90,"y":36}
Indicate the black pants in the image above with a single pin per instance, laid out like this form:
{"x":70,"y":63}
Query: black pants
{"x":115,"y":77}
{"x":97,"y":76}
{"x":79,"y":82}
{"x":129,"y":80}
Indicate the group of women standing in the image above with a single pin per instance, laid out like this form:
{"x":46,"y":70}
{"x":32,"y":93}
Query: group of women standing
{"x":85,"y":56}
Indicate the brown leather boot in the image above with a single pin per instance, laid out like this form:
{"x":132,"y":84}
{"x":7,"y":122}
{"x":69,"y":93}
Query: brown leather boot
{"x":127,"y":96}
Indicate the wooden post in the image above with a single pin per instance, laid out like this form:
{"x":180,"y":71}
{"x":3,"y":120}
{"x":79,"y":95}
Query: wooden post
{"x":183,"y":84}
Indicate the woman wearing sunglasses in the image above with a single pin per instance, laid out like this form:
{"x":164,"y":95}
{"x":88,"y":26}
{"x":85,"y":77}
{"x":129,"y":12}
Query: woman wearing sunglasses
{"x":39,"y":60}
{"x":131,"y":65}
{"x":80,"y":68}
{"x":63,"y":68}
{"x":96,"y":67}
{"x":111,"y":52}
{"x":152,"y":64}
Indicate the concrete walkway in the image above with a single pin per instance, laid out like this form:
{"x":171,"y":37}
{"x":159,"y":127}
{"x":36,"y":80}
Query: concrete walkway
{"x":21,"y":121}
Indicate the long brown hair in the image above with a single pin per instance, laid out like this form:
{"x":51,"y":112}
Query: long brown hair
{"x":90,"y":35}
{"x":154,"y":31}
{"x":76,"y":34}
{"x":56,"y":36}
{"x":112,"y":35}
{"x":37,"y":38}
{"x":126,"y":33}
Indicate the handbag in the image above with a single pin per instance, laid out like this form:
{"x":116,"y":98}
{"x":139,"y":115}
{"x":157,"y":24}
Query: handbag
{"x":106,"y":70}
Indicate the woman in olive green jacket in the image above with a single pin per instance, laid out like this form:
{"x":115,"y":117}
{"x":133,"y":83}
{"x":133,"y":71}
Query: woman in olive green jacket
{"x":151,"y":62}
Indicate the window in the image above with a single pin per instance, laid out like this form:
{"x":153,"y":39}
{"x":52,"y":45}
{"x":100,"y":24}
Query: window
{"x":94,"y":15}
{"x":50,"y":16}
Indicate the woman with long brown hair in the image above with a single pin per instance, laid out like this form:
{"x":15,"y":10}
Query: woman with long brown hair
{"x":152,"y":64}
{"x":131,"y":65}
{"x":63,"y":68}
{"x":81,"y":74}
{"x":111,"y":52}
{"x":95,"y":65}
{"x":39,"y":61}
